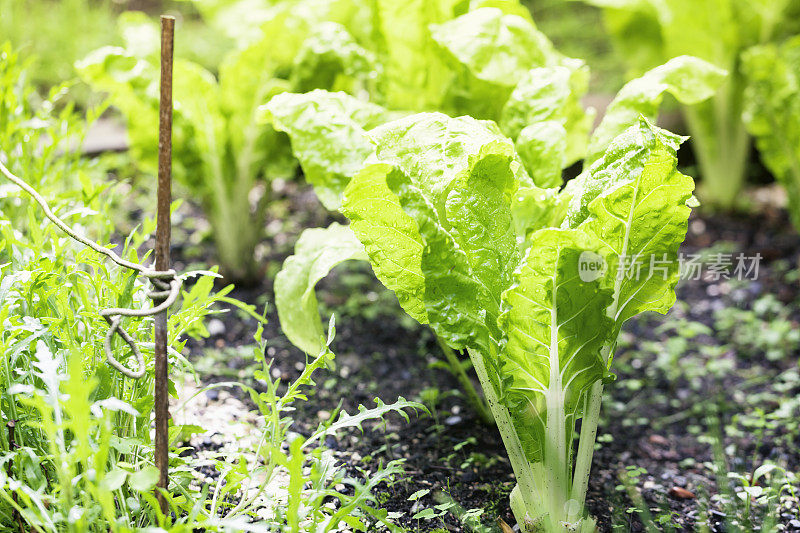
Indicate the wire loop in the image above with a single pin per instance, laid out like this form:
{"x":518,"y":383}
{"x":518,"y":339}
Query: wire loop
{"x":166,"y":284}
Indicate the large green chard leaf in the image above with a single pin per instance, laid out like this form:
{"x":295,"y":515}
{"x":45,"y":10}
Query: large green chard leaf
{"x":330,"y":58}
{"x":390,"y":236}
{"x":248,"y":77}
{"x":132,"y":83}
{"x":491,"y":52}
{"x":556,"y":322}
{"x":316,"y":253}
{"x":635,"y":203}
{"x":689,"y":79}
{"x":717,"y":31}
{"x":328,"y":134}
{"x":415,"y":78}
{"x":772,"y":112}
{"x":133,"y":86}
{"x":635,"y":32}
{"x":247,"y":21}
{"x":455,"y":178}
{"x":545,"y":117}
{"x":435,"y":150}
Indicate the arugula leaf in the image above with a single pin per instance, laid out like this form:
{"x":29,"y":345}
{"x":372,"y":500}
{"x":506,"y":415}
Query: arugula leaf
{"x":316,"y":253}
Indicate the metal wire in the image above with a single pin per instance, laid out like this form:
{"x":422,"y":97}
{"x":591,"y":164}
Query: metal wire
{"x":167,"y":285}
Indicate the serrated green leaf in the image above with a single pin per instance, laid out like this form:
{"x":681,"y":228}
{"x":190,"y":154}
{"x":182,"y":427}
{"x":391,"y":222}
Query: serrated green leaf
{"x":364,"y":414}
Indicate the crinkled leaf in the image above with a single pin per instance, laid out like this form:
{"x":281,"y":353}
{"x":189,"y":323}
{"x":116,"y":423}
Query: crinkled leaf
{"x":622,"y":162}
{"x":316,"y":253}
{"x":415,"y":78}
{"x":434,"y":150}
{"x":534,"y":209}
{"x":132,"y":84}
{"x":490,"y":51}
{"x":247,"y":21}
{"x":456,"y":179}
{"x":331,"y":59}
{"x":248,"y":77}
{"x":772,"y":112}
{"x":328,"y":134}
{"x":689,"y":79}
{"x":641,"y":218}
{"x":556,"y":323}
{"x":542,"y":147}
{"x":390,"y":237}
{"x":551,"y":94}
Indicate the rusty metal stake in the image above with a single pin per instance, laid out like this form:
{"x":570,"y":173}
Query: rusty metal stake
{"x":162,"y":254}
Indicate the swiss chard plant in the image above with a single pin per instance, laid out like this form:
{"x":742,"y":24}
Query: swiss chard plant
{"x":531,"y":279}
{"x":649,"y":32}
{"x":437,"y":210}
{"x":542,"y":115}
{"x":772,"y":112}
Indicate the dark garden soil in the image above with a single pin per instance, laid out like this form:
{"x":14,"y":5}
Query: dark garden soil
{"x":660,"y":422}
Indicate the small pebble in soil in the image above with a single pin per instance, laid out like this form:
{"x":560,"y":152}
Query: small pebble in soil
{"x":452,"y":420}
{"x":215,"y":327}
{"x":680,"y":493}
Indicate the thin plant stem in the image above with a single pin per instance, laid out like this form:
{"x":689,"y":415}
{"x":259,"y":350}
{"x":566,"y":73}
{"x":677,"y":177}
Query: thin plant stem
{"x":473,"y":397}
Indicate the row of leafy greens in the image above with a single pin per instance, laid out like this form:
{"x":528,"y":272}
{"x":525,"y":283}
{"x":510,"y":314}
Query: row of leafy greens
{"x":467,"y":221}
{"x":444,"y":56}
{"x":736,"y":36}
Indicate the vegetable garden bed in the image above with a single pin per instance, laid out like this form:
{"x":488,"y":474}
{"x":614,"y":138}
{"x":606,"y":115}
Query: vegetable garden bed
{"x":451,"y":296}
{"x":676,"y":392}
